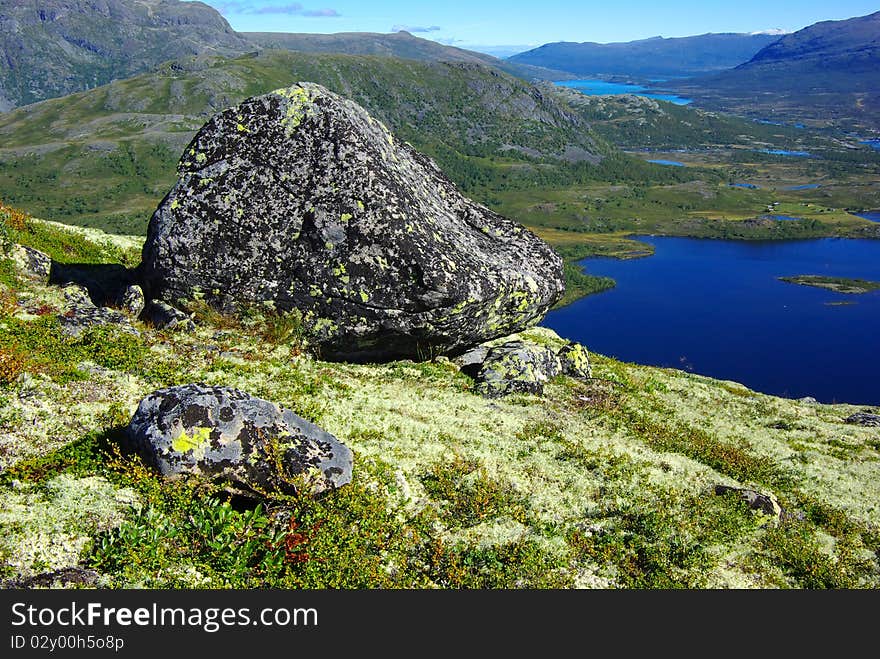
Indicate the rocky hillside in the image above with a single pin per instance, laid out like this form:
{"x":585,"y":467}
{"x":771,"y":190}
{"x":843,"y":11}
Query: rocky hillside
{"x":51,"y":48}
{"x":681,"y":56}
{"x":635,"y":477}
{"x":105,"y":157}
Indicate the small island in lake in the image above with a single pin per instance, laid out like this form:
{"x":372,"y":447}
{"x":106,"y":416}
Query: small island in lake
{"x":837,"y":284}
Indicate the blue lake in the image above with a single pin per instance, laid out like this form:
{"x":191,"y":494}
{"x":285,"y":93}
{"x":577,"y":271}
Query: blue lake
{"x":595,"y":87}
{"x":717,"y":308}
{"x":874,"y":144}
{"x":747,"y":186}
{"x":874,"y":216}
{"x":808,"y":186}
{"x":671,"y":163}
{"x":785,"y":152}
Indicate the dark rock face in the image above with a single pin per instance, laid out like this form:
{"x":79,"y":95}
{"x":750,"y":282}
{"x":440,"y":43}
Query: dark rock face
{"x":228,"y":436}
{"x":300,"y":199}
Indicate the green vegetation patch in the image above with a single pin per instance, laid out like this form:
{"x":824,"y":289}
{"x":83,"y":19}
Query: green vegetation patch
{"x":836,"y":284}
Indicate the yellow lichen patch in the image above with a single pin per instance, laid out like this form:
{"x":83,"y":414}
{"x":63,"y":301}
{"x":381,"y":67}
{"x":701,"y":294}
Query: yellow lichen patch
{"x":184,"y":442}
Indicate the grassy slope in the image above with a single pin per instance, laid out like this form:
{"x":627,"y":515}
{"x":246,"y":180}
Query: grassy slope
{"x":106,"y":157}
{"x":605,"y":483}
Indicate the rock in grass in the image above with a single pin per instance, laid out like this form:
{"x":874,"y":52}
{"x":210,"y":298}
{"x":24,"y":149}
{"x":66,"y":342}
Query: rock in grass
{"x":516,"y":367}
{"x":765,"y":503}
{"x":302,"y":199}
{"x":575,"y":361}
{"x":864,"y":419}
{"x":165,"y":317}
{"x":82,"y":314}
{"x":225,"y":435}
{"x":32,"y":262}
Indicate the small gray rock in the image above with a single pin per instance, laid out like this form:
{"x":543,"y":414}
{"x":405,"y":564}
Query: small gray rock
{"x":132,"y":300}
{"x":808,"y":400}
{"x":766,"y":503}
{"x":226,"y":435}
{"x":864,"y":419}
{"x":165,"y":317}
{"x":516,"y":367}
{"x":32,"y":262}
{"x":470,"y":361}
{"x":82,"y":314}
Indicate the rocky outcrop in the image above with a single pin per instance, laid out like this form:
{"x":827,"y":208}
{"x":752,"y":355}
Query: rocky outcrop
{"x":864,"y":419}
{"x":300,"y":199}
{"x":249,"y":444}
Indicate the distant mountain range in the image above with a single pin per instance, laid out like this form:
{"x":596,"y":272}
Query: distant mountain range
{"x":827,"y":71}
{"x":51,"y":48}
{"x":646,"y":58}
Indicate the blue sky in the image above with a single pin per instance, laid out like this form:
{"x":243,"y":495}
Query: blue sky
{"x":494,"y":22}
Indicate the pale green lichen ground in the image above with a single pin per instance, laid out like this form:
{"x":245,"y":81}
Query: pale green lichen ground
{"x":605,"y":483}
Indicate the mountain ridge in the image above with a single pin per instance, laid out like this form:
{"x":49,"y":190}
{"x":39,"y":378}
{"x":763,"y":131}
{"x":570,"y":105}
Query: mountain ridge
{"x":675,"y":56}
{"x":829,"y":70}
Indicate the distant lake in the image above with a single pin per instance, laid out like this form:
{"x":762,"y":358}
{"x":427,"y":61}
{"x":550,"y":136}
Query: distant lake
{"x":671,"y":163}
{"x":595,"y":87}
{"x":785,"y":152}
{"x":808,"y":186}
{"x":874,"y":144}
{"x":747,"y":186}
{"x":874,"y":216}
{"x":717,"y":308}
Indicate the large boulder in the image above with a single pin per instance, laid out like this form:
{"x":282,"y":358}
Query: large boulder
{"x":300,"y":199}
{"x":228,"y":436}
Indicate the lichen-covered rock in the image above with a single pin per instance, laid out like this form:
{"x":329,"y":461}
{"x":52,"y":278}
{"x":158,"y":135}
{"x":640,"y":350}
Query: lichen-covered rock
{"x":132,"y":300}
{"x":301,"y":199}
{"x":165,"y":317}
{"x":32,"y":262}
{"x":575,"y":361}
{"x":864,"y":419}
{"x":82,"y":314}
{"x":516,"y":367}
{"x":228,"y":436}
